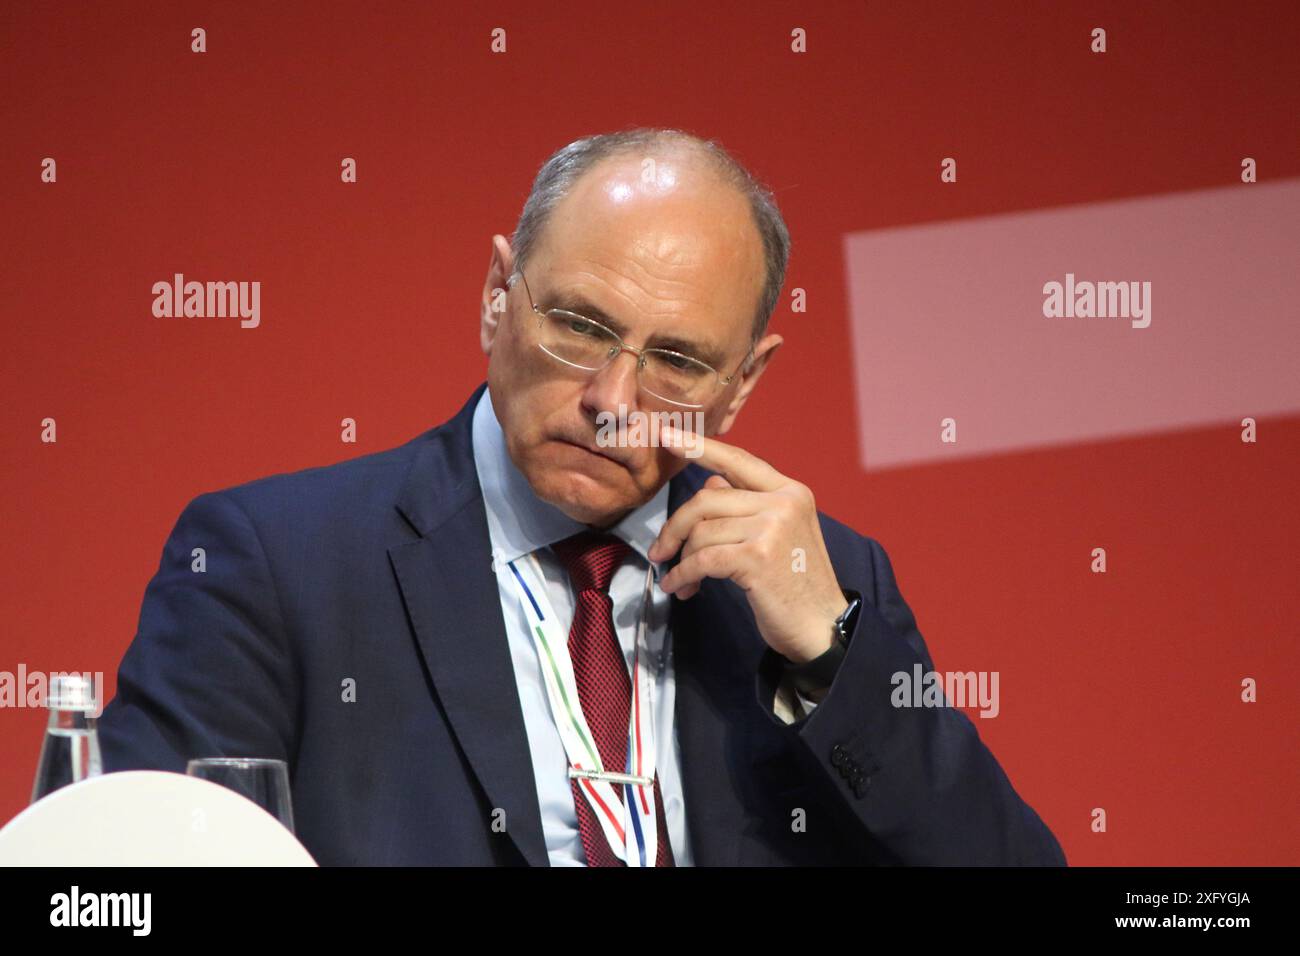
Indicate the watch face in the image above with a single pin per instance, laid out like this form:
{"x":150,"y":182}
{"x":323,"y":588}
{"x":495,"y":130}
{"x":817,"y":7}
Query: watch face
{"x":844,"y":624}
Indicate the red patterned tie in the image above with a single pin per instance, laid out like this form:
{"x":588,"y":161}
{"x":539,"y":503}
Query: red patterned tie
{"x":601,"y":672}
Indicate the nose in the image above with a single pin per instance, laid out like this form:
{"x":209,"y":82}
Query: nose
{"x":614,"y":385}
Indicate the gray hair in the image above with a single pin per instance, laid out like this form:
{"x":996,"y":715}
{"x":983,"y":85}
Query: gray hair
{"x":563,"y":169}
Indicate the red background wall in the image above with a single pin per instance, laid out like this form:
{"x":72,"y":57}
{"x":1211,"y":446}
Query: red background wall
{"x":1119,"y":691}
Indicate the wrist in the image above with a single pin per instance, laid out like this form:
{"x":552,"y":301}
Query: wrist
{"x":824,"y":627}
{"x":812,"y":676}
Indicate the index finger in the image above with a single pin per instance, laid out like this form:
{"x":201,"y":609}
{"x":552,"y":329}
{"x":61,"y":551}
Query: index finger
{"x":742,"y":469}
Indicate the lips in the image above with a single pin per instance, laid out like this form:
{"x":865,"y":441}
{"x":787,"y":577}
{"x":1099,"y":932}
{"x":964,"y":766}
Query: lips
{"x":602,"y":453}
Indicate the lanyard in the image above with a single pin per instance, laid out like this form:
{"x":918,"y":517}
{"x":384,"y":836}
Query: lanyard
{"x":629,"y":825}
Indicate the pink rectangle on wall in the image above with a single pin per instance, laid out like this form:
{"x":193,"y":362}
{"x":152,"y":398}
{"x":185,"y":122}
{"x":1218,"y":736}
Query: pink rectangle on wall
{"x":948,"y":323}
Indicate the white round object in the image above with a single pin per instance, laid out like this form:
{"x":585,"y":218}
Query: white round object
{"x":148,"y":818}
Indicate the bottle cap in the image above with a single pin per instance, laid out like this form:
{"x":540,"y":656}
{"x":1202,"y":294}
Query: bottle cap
{"x":71,"y":692}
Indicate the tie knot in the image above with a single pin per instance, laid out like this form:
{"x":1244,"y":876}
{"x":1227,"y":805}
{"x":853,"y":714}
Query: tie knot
{"x":591,"y":558}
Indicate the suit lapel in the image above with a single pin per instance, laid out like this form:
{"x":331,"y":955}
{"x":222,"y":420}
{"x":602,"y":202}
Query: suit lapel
{"x":705,"y":660}
{"x":450,"y":592}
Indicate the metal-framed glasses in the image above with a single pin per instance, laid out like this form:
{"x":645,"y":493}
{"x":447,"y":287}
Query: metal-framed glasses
{"x":585,"y":344}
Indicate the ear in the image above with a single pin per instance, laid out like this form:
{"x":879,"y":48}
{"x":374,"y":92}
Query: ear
{"x":763,"y":353}
{"x":493,"y":306}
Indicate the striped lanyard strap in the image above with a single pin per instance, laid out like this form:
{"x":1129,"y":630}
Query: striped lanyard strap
{"x":629,"y":824}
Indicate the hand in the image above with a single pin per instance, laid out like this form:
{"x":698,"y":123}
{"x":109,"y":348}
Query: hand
{"x":746,"y":524}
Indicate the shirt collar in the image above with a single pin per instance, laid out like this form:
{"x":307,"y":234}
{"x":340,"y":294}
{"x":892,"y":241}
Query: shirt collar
{"x":519,"y":522}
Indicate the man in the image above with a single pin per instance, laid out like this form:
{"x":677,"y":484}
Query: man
{"x":513,"y":640}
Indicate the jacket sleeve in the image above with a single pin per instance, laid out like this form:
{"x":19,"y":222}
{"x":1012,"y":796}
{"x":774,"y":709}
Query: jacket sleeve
{"x":918,"y":779}
{"x":208,"y":673}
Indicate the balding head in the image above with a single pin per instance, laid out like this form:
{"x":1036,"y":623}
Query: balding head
{"x":660,"y":245}
{"x":565,"y":168}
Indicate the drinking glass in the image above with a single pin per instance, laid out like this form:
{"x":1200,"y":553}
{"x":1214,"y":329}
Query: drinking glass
{"x":261,"y":779}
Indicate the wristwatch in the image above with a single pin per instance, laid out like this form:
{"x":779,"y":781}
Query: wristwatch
{"x":818,"y":673}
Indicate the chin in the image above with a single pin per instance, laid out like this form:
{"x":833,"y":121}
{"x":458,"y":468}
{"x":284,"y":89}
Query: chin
{"x":583,"y":496}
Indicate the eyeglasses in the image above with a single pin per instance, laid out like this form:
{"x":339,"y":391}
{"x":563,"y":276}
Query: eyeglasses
{"x":585,"y":344}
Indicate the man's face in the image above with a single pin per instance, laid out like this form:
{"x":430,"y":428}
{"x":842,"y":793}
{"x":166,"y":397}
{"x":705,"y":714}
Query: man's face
{"x":677,"y":263}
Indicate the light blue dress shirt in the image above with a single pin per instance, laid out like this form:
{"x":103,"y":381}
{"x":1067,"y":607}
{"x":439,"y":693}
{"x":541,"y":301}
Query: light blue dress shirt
{"x":520,"y":523}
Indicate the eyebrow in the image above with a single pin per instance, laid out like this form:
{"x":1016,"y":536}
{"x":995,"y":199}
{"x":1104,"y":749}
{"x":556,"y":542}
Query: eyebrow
{"x":576,"y":302}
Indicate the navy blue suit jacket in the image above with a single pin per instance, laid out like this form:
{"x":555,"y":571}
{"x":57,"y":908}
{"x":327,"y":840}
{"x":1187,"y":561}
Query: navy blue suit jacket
{"x":379,"y":570}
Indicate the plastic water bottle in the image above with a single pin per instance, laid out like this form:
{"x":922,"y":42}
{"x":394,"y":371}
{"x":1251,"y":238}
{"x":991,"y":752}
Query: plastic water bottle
{"x":71,"y":749}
